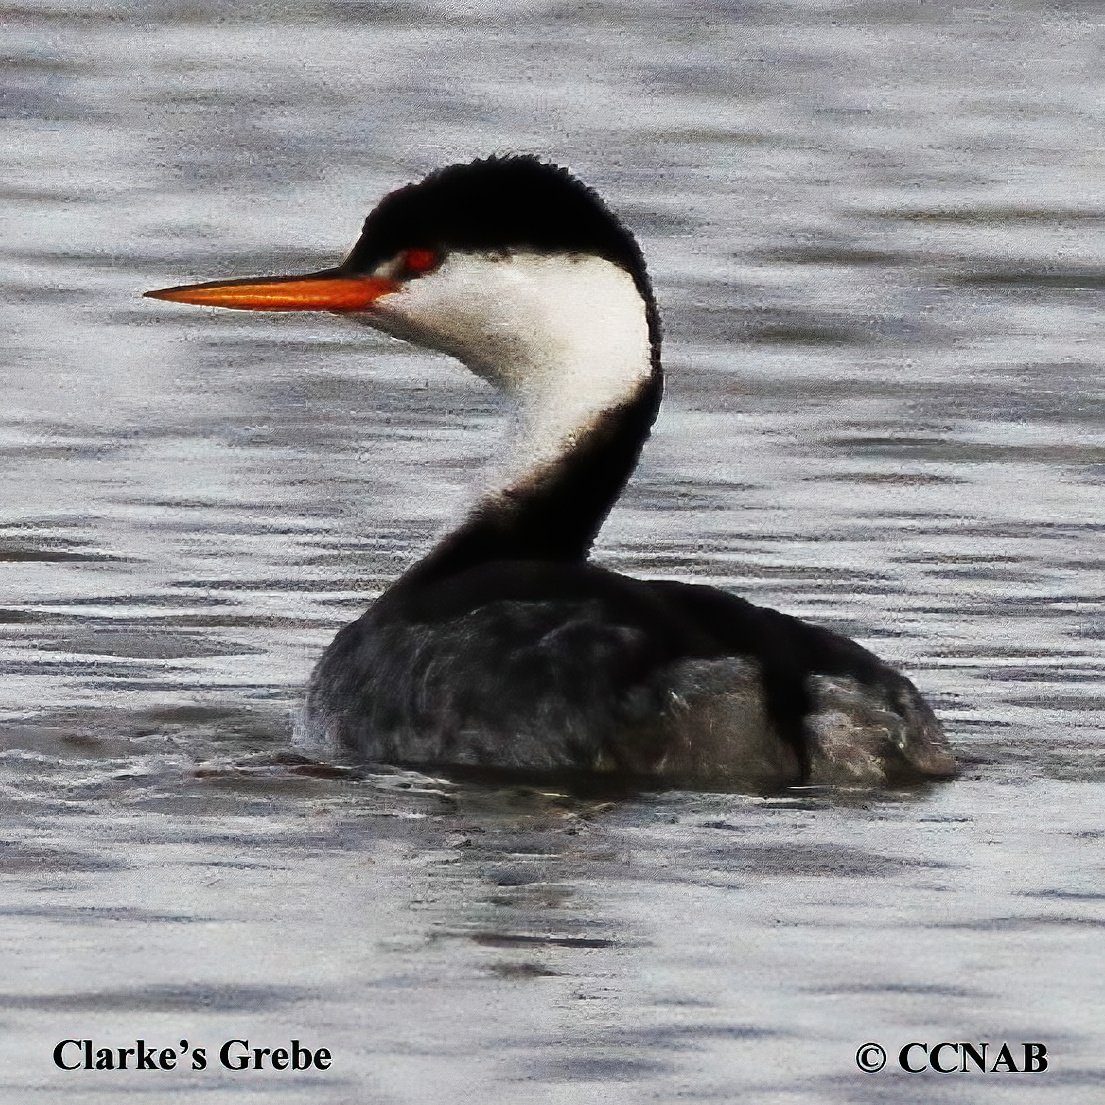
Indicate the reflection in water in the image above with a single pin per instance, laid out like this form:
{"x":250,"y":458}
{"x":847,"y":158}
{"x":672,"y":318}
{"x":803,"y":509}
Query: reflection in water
{"x":883,"y":414}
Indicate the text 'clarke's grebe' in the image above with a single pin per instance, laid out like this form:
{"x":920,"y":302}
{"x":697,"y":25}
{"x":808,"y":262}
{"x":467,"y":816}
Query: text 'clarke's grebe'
{"x":505,"y":647}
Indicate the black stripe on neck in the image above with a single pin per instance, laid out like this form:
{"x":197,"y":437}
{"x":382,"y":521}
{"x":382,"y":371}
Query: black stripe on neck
{"x":557,"y":516}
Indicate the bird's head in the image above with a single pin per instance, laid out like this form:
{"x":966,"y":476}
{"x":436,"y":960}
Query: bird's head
{"x":510,"y":264}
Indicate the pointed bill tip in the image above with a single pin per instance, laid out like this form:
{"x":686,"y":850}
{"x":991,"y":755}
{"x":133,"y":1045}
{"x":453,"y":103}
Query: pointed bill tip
{"x":171,"y":294}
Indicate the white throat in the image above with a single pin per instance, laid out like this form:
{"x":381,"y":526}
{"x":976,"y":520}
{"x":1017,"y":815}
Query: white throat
{"x":564,"y":335}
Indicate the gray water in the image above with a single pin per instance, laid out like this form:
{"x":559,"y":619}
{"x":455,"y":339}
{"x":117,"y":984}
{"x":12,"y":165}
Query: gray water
{"x":876,"y":233}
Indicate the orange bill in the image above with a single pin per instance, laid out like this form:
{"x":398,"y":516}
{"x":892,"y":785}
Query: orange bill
{"x":330,"y":290}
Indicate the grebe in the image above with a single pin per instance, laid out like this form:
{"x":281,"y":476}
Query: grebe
{"x":505,"y":647}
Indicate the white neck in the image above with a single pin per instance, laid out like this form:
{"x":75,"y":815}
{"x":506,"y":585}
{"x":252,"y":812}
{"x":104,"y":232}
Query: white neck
{"x":565,"y":336}
{"x":590,"y":352}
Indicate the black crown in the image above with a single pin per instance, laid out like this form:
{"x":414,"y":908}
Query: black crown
{"x":515,"y":202}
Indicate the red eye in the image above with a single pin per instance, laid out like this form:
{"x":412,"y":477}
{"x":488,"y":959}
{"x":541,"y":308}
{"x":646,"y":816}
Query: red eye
{"x":419,"y":260}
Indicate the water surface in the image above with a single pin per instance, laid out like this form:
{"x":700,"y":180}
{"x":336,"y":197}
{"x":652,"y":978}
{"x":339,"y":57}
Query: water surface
{"x":875,"y":231}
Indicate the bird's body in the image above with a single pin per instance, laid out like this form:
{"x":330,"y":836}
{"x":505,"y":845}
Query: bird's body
{"x":505,"y":647}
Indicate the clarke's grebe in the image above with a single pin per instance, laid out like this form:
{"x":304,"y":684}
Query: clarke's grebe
{"x":505,"y":647}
